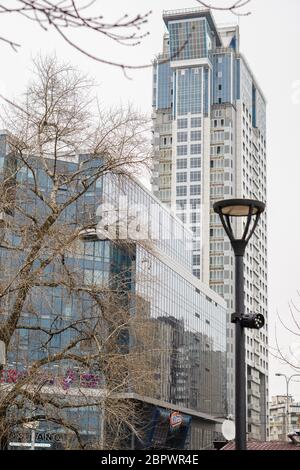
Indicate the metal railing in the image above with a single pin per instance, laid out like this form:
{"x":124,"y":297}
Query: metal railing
{"x":184,"y":10}
{"x":223,"y":50}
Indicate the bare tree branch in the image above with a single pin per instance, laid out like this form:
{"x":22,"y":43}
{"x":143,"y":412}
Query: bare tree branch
{"x":68,"y":16}
{"x":233,"y":8}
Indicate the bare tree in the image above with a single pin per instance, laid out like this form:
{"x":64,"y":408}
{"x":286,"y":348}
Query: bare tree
{"x":291,"y":324}
{"x":71,"y":339}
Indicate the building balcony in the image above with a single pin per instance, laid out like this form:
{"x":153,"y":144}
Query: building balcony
{"x":162,"y":57}
{"x":254,"y":421}
{"x":252,"y":378}
{"x":223,"y":50}
{"x":253,"y":393}
{"x":254,"y":407}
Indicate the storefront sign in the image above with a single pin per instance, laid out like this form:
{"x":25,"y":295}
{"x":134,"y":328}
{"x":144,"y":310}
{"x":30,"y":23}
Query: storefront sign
{"x":175,"y":419}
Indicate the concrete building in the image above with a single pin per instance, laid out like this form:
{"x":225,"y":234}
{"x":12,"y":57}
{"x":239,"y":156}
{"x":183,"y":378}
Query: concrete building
{"x":209,"y":140}
{"x":283,"y":419}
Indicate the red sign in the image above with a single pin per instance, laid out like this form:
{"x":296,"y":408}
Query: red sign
{"x":175,"y":419}
{"x":71,"y":378}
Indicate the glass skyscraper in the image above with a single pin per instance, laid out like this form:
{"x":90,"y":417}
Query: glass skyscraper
{"x":209,"y":141}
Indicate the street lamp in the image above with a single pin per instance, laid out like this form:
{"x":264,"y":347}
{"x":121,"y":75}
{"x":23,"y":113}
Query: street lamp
{"x":287,"y":380}
{"x":250,"y":210}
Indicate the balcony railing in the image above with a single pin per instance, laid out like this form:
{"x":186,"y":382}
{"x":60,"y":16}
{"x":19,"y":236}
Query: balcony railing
{"x":223,"y":50}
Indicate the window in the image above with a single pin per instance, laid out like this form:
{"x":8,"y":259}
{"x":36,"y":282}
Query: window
{"x":196,"y":231}
{"x":196,"y":245}
{"x":181,"y":205}
{"x":181,"y":136}
{"x":196,"y":260}
{"x":195,"y":218}
{"x":195,"y":204}
{"x":195,"y":149}
{"x":220,"y":87}
{"x":196,"y":122}
{"x":195,"y":176}
{"x":217,"y":275}
{"x":196,"y":135}
{"x":182,"y":123}
{"x":181,"y":164}
{"x":181,"y":150}
{"x":181,"y":177}
{"x":182,"y":217}
{"x":181,"y":191}
{"x":195,"y":190}
{"x":195,"y":162}
{"x":218,"y":136}
{"x":219,"y":60}
{"x":165,"y":194}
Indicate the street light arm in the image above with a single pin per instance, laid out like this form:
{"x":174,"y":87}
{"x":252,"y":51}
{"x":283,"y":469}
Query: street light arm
{"x":294,"y":375}
{"x":287,"y":380}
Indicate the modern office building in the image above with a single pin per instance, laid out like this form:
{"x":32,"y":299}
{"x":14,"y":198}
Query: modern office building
{"x":209,"y":140}
{"x":283,"y":419}
{"x":190,"y":317}
{"x":132,"y":236}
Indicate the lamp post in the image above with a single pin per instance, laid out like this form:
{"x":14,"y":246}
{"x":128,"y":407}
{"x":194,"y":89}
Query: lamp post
{"x":287,"y":380}
{"x":250,"y":210}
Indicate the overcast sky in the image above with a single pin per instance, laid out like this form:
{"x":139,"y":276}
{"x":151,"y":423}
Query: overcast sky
{"x":270,"y":39}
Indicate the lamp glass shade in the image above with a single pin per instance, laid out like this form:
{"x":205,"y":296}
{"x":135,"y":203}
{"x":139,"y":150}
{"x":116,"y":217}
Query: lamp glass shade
{"x":238,"y":211}
{"x":239,"y":207}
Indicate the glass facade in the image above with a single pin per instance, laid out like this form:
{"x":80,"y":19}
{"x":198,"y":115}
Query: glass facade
{"x":191,"y":323}
{"x":164,"y":90}
{"x":188,"y":39}
{"x":189,"y":96}
{"x":186,"y":318}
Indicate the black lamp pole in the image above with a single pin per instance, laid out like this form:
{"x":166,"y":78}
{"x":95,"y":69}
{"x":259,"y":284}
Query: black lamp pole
{"x":240,"y":356}
{"x":240,"y":208}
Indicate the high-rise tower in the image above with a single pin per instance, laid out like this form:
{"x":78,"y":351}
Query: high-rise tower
{"x":209,"y":143}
